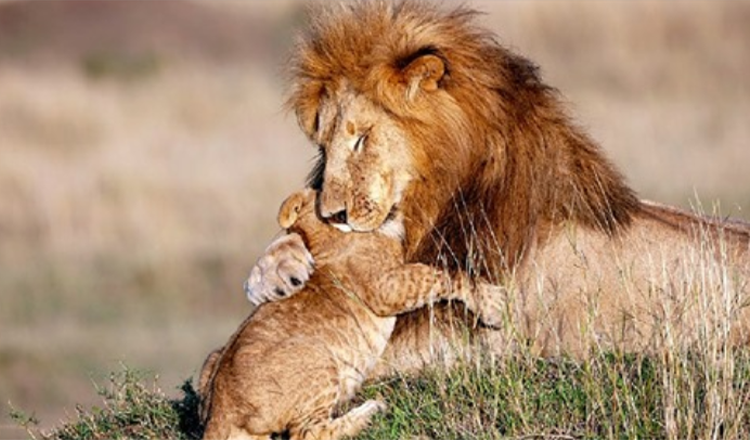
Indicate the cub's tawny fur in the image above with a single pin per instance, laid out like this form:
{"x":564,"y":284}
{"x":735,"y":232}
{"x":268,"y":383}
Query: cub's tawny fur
{"x":293,"y":363}
{"x":420,"y":112}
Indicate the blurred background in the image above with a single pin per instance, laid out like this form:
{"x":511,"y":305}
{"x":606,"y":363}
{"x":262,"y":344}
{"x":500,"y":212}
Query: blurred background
{"x":144,"y":152}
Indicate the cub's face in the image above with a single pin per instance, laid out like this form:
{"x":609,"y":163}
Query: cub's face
{"x":327,"y":242}
{"x":364,"y":165}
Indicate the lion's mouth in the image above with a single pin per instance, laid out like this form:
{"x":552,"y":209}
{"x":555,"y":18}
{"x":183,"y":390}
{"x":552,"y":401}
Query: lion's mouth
{"x":340,"y":220}
{"x":343,"y":227}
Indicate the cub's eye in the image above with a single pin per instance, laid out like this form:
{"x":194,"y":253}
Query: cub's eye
{"x":360,"y":142}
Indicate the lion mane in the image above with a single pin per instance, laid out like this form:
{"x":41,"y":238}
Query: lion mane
{"x":510,"y":161}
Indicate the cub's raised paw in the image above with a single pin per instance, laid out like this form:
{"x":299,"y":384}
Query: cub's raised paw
{"x":281,"y":272}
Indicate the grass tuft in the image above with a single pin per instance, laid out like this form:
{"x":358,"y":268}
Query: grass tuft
{"x":133,"y":408}
{"x":609,"y":396}
{"x":29,"y":422}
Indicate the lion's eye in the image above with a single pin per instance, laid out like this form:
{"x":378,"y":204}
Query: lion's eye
{"x":360,"y":142}
{"x":316,"y":123}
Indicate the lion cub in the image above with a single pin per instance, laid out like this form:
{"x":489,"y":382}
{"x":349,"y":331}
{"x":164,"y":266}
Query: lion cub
{"x":293,"y":363}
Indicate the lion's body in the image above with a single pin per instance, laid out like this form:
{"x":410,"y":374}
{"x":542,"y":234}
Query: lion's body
{"x":291,"y":364}
{"x":667,"y":272}
{"x":684,"y":286}
{"x":495,"y":181}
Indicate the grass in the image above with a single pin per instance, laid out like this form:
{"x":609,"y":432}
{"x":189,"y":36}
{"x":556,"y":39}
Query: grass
{"x":526,"y":398}
{"x":133,"y":407}
{"x":608,"y":396}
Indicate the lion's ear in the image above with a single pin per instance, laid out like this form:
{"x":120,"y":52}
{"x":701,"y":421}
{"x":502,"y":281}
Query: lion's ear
{"x":306,"y":104}
{"x":423,"y":73}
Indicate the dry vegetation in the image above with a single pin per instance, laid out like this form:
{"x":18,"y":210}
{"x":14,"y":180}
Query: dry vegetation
{"x":142,"y":160}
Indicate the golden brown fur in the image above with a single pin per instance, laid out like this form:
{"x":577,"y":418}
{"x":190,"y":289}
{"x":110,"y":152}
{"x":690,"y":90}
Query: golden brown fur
{"x":293,"y":363}
{"x":495,"y":181}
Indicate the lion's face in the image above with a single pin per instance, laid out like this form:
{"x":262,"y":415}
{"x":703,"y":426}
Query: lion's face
{"x":370,"y":88}
{"x":366,"y":165}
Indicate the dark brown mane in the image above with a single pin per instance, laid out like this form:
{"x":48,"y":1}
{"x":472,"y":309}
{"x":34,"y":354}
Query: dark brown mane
{"x":500,"y":162}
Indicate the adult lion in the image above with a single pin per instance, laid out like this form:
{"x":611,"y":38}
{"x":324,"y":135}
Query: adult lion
{"x":420,"y":112}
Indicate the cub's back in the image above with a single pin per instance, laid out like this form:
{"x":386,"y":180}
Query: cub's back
{"x":292,"y":362}
{"x":291,"y":357}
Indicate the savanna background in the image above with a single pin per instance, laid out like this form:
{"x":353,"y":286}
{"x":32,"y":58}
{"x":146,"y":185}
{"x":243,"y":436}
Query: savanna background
{"x":144,"y":151}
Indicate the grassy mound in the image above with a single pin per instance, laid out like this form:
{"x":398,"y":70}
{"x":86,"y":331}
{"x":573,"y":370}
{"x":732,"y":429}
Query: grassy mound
{"x":608,"y":396}
{"x":134,"y":407}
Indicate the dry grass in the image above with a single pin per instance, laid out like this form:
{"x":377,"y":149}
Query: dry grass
{"x":139,"y":185}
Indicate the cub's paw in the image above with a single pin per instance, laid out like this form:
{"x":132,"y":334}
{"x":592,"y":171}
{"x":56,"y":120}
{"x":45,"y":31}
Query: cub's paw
{"x":370,"y":407}
{"x":489,"y":304}
{"x":281,"y":272}
{"x":351,"y":423}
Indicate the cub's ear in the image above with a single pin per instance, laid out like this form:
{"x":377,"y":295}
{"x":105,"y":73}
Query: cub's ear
{"x":289,"y":211}
{"x":292,"y":207}
{"x":423,"y":72}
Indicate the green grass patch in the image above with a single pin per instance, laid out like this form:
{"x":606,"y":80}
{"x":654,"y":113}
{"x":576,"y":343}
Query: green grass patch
{"x":544,"y":398}
{"x":609,"y":396}
{"x":133,"y":408}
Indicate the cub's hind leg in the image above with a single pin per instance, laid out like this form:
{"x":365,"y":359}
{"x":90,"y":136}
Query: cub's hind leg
{"x":207,"y":371}
{"x":348,"y":425}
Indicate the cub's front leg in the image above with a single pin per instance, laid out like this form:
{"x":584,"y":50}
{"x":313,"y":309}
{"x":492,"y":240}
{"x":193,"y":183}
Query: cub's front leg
{"x":287,"y":263}
{"x":410,"y":286}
